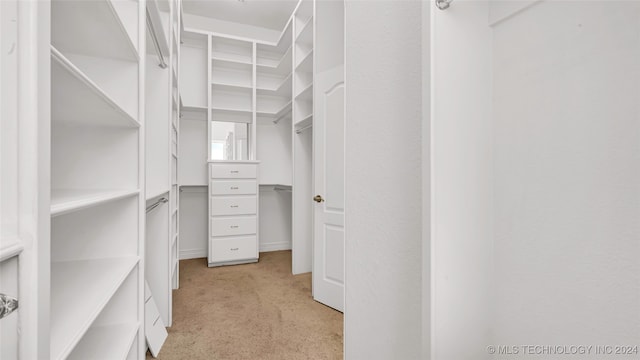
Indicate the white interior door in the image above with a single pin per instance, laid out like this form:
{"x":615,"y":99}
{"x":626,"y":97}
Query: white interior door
{"x":329,"y":137}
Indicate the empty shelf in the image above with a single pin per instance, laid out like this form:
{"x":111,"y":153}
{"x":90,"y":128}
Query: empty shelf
{"x":283,"y":89}
{"x":305,"y":122}
{"x":77,"y":99}
{"x":91,"y":28}
{"x":306,"y":64}
{"x":305,"y":36}
{"x":194,"y":112}
{"x":306,"y":93}
{"x":79,"y":292}
{"x":232,"y":58}
{"x":65,"y":201}
{"x":106,"y":342}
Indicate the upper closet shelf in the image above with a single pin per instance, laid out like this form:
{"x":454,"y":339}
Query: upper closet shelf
{"x":279,"y":67}
{"x":73,"y":314}
{"x":66,"y":201}
{"x":283,"y":89}
{"x":77,"y":99}
{"x":95,"y":28}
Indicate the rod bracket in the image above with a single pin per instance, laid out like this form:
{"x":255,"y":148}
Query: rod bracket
{"x":443,"y":4}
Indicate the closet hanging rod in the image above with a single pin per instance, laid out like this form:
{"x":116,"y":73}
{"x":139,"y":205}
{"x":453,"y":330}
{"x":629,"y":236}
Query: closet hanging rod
{"x":298,"y":131}
{"x":154,"y":40}
{"x":157,"y":203}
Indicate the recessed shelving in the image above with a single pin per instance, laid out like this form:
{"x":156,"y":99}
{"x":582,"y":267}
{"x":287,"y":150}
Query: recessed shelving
{"x":77,"y":99}
{"x":82,"y":289}
{"x":64,"y":201}
{"x":106,"y":342}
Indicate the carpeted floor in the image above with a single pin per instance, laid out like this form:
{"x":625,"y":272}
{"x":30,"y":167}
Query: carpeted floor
{"x":253,"y":311}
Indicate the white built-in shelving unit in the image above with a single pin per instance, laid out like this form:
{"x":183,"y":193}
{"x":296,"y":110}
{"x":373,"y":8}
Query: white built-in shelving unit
{"x":97,"y":179}
{"x":302,"y":144}
{"x":162,"y":129}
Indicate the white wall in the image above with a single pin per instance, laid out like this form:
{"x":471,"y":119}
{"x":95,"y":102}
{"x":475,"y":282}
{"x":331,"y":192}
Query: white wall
{"x":567,"y":199}
{"x":383,"y":180}
{"x":194,"y":210}
{"x":461,"y":242}
{"x":230,"y":28}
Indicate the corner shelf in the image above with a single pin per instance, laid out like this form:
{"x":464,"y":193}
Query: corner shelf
{"x":304,"y":123}
{"x":72,"y":315}
{"x":66,"y":201}
{"x":306,"y":93}
{"x":77,"y":99}
{"x":306,"y":64}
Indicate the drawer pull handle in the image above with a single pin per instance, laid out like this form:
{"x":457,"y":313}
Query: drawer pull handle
{"x":234,"y":188}
{"x":235,"y":171}
{"x":234,"y":249}
{"x":234,"y":226}
{"x":234,"y":206}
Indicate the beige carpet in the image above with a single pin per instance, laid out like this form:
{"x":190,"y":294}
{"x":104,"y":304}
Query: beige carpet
{"x":254,"y":311}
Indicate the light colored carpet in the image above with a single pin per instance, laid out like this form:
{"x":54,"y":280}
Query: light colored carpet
{"x":253,"y":311}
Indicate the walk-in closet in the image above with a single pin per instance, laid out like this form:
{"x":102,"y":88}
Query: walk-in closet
{"x":319,"y":179}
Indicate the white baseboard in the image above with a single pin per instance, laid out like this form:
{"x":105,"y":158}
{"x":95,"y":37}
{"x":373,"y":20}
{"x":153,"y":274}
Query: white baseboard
{"x":275,"y":246}
{"x":193,"y":254}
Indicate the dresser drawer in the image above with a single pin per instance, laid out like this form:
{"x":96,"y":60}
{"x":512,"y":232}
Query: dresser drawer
{"x":233,"y":226}
{"x":233,"y":205}
{"x":232,"y":249}
{"x":234,"y":171}
{"x":233,"y":187}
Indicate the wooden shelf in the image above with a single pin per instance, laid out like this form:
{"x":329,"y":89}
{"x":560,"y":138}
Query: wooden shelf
{"x":106,"y":342}
{"x":91,"y":28}
{"x":79,"y":292}
{"x":64,"y":201}
{"x":306,"y":64}
{"x":306,"y":93}
{"x":76,"y":99}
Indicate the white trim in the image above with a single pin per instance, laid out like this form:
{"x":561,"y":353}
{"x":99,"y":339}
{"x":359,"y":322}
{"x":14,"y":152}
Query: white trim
{"x":275,"y":246}
{"x":186,"y":254}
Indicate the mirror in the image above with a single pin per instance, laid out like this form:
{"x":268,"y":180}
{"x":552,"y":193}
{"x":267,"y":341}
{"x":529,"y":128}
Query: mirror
{"x":229,"y":140}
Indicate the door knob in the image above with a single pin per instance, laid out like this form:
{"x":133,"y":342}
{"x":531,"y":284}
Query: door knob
{"x":7,"y":305}
{"x":318,"y":199}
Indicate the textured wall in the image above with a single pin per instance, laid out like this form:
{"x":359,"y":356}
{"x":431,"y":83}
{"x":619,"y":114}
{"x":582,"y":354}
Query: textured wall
{"x":383,"y":180}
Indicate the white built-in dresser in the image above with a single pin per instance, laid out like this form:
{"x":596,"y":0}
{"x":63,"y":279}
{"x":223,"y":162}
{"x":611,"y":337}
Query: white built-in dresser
{"x":233,"y":212}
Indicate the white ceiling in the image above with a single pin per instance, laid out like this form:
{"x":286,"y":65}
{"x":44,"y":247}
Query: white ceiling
{"x":270,"y":14}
